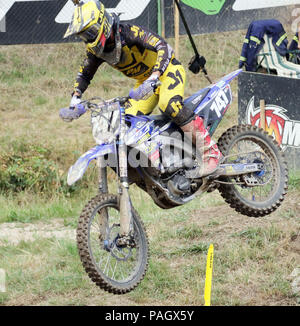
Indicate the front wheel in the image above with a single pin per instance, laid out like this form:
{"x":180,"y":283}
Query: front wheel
{"x":260,"y":193}
{"x":114,"y":268}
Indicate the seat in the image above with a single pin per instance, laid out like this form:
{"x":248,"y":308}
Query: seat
{"x":271,"y":60}
{"x":193,"y":101}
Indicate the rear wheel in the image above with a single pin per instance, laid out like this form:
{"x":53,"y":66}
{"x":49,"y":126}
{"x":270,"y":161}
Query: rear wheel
{"x":115,"y":268}
{"x":256,"y":194}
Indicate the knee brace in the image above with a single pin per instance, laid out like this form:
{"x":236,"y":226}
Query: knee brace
{"x":179,"y":113}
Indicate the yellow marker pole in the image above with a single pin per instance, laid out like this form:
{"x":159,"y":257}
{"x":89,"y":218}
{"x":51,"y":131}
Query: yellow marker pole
{"x":208,"y":279}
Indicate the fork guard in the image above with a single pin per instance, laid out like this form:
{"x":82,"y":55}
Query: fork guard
{"x":77,"y":170}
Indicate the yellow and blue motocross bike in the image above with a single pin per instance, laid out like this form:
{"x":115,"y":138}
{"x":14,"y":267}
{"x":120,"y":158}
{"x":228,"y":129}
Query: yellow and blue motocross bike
{"x":152,"y":153}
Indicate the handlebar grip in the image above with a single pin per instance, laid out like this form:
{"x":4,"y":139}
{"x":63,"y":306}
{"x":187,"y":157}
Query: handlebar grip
{"x":69,"y":114}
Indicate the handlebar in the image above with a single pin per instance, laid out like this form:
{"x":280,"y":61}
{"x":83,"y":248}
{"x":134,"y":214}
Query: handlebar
{"x":97,"y":103}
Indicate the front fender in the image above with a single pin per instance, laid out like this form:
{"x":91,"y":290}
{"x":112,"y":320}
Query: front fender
{"x":77,"y":170}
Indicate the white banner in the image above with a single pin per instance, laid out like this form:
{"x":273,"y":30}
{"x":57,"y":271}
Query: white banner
{"x":261,"y":4}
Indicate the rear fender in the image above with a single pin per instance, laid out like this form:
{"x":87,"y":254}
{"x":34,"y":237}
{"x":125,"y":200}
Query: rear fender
{"x":213,"y":108}
{"x":77,"y":170}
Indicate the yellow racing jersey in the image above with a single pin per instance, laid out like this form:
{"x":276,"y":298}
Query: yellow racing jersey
{"x":143,"y":52}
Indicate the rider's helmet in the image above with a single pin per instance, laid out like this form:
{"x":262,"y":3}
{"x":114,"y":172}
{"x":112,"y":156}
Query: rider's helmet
{"x":92,"y":23}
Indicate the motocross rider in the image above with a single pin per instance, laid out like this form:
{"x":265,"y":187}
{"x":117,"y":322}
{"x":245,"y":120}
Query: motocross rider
{"x":143,"y":56}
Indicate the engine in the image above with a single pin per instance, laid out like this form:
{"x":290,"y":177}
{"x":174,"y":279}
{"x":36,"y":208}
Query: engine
{"x":179,"y":185}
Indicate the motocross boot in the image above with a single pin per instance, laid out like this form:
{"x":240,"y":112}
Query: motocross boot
{"x":210,"y":155}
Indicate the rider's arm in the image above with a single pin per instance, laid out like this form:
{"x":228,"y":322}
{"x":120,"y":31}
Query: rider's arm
{"x":145,"y":39}
{"x":86,"y":73}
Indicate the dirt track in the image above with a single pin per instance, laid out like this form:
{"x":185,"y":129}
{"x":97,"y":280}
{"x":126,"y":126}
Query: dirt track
{"x":13,"y":233}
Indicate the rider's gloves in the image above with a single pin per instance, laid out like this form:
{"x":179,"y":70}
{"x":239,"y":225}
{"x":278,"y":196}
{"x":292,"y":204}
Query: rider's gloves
{"x":69,"y":114}
{"x":146,"y":90}
{"x":74,"y":111}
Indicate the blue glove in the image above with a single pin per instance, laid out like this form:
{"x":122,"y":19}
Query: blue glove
{"x":144,"y":91}
{"x":69,"y":114}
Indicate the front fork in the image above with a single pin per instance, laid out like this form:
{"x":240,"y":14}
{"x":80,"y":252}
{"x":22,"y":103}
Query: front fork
{"x":125,"y":203}
{"x":103,"y":189}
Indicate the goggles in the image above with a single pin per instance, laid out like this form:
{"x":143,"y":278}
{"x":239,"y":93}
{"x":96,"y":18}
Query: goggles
{"x":90,"y":34}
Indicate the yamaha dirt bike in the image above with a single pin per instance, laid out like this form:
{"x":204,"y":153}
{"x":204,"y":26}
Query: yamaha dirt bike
{"x":149,"y":151}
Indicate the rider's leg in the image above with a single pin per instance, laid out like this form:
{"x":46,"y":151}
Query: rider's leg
{"x":211,"y":154}
{"x":171,"y":103}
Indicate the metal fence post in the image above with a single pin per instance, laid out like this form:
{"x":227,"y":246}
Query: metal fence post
{"x":162,"y":17}
{"x":176,"y":27}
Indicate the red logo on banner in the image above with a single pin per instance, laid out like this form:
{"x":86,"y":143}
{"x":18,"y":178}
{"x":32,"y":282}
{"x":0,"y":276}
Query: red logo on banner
{"x":284,"y":130}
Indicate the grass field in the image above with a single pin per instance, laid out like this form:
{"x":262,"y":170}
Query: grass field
{"x":253,"y":258}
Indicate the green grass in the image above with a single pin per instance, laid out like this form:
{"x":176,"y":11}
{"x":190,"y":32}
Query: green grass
{"x":27,"y":208}
{"x":30,"y":270}
{"x":294,"y":180}
{"x":258,"y":237}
